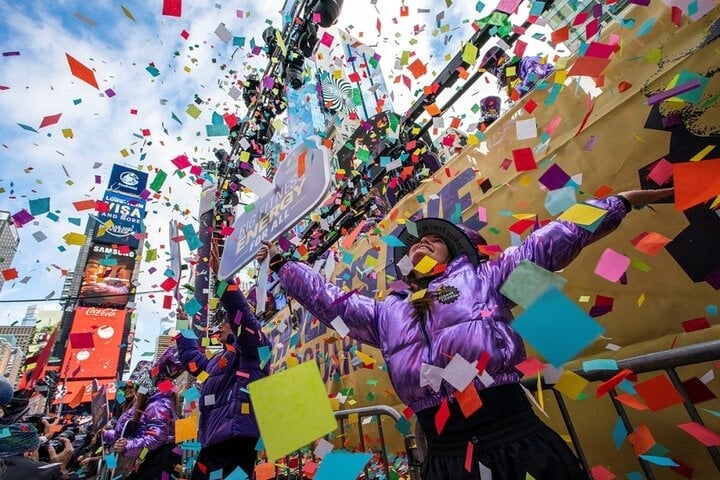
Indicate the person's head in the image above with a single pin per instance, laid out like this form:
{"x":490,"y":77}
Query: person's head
{"x":167,"y":366}
{"x":438,"y":239}
{"x":23,"y":440}
{"x":432,"y":246}
{"x":129,"y":391}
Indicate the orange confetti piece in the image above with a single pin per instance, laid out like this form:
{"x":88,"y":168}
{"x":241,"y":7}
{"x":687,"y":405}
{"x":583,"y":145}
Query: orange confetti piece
{"x":81,"y":71}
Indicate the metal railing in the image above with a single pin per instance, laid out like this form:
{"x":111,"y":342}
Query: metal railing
{"x":667,"y":361}
{"x":292,"y":466}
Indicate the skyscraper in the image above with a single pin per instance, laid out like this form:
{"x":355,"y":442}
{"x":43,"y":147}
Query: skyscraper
{"x":9,"y":240}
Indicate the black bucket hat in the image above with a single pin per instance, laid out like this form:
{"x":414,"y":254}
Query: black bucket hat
{"x":459,"y":239}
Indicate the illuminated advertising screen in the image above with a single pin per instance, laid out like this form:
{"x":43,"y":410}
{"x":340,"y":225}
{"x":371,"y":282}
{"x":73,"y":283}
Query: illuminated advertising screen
{"x":107,"y":276}
{"x":127,"y":180}
{"x":122,"y":218}
{"x":93,"y":349}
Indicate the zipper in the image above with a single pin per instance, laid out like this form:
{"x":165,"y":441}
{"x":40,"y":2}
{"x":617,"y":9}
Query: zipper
{"x":423,"y":327}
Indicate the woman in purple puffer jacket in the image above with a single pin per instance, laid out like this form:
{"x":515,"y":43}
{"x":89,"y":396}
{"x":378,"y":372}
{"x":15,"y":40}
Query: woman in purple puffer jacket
{"x":149,"y":423}
{"x":228,"y":429}
{"x":462,"y":312}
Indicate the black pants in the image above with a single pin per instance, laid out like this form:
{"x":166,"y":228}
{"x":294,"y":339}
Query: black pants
{"x":226,"y":455}
{"x":507,"y":439}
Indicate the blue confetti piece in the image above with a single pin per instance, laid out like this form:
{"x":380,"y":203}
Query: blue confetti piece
{"x":191,"y":237}
{"x":660,"y":461}
{"x":619,"y":433}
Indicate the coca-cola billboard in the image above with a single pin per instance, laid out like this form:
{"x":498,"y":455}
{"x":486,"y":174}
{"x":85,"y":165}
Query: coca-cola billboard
{"x":93,"y":349}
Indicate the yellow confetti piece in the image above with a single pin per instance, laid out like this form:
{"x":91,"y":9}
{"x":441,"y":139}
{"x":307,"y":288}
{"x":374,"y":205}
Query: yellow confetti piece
{"x":193,"y":111}
{"x":124,"y":153}
{"x":571,"y":384}
{"x":245,"y":408}
{"x":73,"y":238}
{"x":67,"y":133}
{"x":582,"y":214}
{"x":186,"y":428}
{"x":366,"y":359}
{"x":641,"y":299}
{"x":526,"y":181}
{"x":584,"y":299}
{"x":541,"y":399}
{"x":418,"y":295}
{"x":425,"y":265}
{"x":127,"y":13}
{"x":654,"y":56}
{"x":702,"y":153}
{"x":202,"y":377}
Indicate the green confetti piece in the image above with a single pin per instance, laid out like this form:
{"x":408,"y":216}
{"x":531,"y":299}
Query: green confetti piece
{"x":158,"y":181}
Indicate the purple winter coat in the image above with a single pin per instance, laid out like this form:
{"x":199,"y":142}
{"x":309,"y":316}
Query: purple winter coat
{"x":478,"y":321}
{"x":229,"y":373}
{"x":155,"y":427}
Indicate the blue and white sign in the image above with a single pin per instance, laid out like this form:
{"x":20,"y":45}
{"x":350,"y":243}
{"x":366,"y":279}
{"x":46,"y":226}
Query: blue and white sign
{"x":126,"y":214}
{"x":284,"y":203}
{"x":127,"y":180}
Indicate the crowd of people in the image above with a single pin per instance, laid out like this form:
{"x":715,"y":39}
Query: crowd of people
{"x":454,"y":308}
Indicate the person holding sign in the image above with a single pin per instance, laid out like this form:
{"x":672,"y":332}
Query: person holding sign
{"x":228,"y":431}
{"x":454,"y":313}
{"x":149,"y":423}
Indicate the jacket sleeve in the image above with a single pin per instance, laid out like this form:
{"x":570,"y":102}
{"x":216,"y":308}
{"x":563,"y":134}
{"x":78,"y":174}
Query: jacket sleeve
{"x":190,"y":353}
{"x":109,"y":437}
{"x":250,"y":336}
{"x":557,"y":244}
{"x":156,"y":423}
{"x":324,"y":300}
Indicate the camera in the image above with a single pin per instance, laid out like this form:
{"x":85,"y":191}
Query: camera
{"x":56,"y":443}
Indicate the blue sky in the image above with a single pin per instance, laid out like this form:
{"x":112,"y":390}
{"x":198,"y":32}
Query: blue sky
{"x":38,"y":83}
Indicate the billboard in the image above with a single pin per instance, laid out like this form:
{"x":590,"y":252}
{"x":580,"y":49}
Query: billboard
{"x":126,"y":215}
{"x":107,"y":276}
{"x":93,"y":350}
{"x":301,"y":182}
{"x":127,"y":180}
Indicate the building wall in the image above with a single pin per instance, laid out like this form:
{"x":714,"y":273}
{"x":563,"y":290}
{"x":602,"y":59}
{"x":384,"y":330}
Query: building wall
{"x":9,"y":240}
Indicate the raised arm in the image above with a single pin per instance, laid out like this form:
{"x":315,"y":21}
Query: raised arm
{"x":559,"y":242}
{"x":191,"y":355}
{"x":326,"y":301}
{"x":250,"y":335}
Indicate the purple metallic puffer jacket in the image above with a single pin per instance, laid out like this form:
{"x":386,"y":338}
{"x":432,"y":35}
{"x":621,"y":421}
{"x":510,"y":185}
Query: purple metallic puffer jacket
{"x":229,"y":373}
{"x":155,"y":428}
{"x":476,"y":322}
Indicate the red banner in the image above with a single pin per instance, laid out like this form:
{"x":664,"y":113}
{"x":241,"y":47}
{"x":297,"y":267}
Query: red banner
{"x":93,"y":349}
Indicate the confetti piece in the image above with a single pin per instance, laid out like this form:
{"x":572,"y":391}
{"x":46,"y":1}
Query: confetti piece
{"x":304,"y":416}
{"x":81,"y":71}
{"x":574,"y":329}
{"x":172,"y":8}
